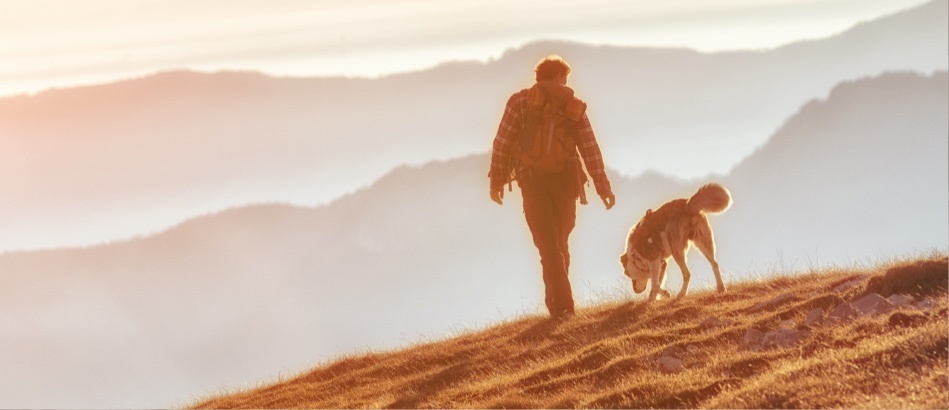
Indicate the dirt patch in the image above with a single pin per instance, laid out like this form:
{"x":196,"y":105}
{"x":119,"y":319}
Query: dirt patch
{"x":676,"y":316}
{"x":691,"y":398}
{"x":924,"y":278}
{"x":434,"y":384}
{"x":595,"y":358}
{"x":619,"y":369}
{"x":627,"y":399}
{"x":537,"y":332}
{"x":515,"y":404}
{"x":907,"y":319}
{"x":844,"y":344}
{"x":685,"y":313}
{"x":748,"y":367}
{"x":345,"y":366}
{"x":825,"y":302}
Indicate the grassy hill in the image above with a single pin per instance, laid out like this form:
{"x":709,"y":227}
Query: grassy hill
{"x":702,"y":351}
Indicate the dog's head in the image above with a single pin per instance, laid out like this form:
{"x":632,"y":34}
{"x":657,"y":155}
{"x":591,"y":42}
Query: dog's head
{"x":636,"y":268}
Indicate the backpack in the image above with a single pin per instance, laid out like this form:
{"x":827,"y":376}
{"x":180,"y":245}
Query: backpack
{"x":548,"y":140}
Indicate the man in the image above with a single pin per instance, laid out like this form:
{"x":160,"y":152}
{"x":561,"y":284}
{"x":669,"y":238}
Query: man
{"x":550,"y":192}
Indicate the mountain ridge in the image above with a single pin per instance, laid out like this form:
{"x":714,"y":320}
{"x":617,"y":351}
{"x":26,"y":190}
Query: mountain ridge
{"x":253,"y":139}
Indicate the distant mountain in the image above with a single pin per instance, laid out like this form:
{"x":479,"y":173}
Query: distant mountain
{"x":129,"y":158}
{"x":243,"y":294}
{"x":861,"y":174}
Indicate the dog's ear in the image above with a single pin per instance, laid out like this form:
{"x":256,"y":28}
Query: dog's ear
{"x":648,"y":211}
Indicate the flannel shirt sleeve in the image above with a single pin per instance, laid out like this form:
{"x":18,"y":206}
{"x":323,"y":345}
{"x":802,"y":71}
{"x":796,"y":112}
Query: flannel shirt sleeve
{"x":592,"y":157}
{"x":501,"y":155}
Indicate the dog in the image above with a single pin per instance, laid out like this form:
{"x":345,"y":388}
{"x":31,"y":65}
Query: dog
{"x":668,"y":232}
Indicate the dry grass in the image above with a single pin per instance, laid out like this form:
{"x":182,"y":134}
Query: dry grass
{"x":604,"y":356}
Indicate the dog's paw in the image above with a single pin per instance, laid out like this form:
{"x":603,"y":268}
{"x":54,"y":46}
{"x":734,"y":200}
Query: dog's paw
{"x":665,"y":294}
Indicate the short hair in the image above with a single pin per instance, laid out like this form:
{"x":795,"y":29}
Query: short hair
{"x":551,"y":67}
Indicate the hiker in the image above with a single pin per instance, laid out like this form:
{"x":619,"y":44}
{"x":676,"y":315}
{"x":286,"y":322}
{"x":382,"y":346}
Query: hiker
{"x":541,"y":131}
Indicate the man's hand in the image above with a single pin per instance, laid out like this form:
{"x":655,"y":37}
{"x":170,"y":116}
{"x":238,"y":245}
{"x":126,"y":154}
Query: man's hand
{"x":609,"y":200}
{"x":497,"y":195}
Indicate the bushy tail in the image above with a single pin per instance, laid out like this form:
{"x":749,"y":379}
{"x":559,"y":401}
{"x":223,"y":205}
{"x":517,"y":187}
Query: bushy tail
{"x":711,"y":199}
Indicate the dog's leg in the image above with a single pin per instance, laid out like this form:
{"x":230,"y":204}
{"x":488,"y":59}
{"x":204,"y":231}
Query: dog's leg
{"x":656,"y":273}
{"x":710,"y":255}
{"x":679,"y":256}
{"x":678,"y":253}
{"x":662,"y":280}
{"x":706,"y":244}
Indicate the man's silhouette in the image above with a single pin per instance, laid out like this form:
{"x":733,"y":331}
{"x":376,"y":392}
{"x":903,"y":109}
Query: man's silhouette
{"x":535,"y":120}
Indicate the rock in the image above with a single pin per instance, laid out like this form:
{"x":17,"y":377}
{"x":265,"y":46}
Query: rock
{"x":925,"y":304}
{"x":673,"y":351}
{"x":752,"y":338}
{"x":787,"y":338}
{"x":850,"y":284}
{"x":871,"y":304}
{"x":783,"y":338}
{"x":885,"y":307}
{"x":773,"y":302}
{"x":901,"y":300}
{"x":670,"y":364}
{"x":843,"y":312}
{"x":814,"y":317}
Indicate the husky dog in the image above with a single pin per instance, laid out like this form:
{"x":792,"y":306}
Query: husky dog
{"x":668,"y":232}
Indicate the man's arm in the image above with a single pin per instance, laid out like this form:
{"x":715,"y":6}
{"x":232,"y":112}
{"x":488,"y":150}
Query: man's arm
{"x":593,"y":159}
{"x":501,"y":161}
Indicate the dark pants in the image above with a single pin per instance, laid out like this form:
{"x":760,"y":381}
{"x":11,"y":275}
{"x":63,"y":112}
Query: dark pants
{"x":550,"y":207}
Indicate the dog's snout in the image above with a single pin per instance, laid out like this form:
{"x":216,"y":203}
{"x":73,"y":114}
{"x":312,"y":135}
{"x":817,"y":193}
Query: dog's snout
{"x":638,"y":286}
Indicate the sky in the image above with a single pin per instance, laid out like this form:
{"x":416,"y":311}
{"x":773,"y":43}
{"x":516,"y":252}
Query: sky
{"x":60,"y":43}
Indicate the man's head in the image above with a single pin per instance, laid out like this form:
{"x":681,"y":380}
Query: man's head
{"x":552,"y":68}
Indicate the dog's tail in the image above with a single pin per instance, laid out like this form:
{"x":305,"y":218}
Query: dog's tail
{"x":711,"y":199}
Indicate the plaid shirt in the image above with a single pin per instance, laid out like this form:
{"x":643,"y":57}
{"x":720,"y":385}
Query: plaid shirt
{"x":512,"y":122}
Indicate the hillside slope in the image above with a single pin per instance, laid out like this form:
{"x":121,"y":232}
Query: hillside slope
{"x":698,"y":352}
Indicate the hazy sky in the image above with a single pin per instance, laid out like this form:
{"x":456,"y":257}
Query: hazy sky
{"x":47,"y":43}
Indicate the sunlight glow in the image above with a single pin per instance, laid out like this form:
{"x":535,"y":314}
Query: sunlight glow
{"x":50,"y":43}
